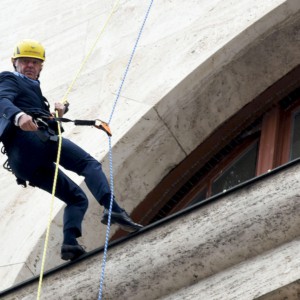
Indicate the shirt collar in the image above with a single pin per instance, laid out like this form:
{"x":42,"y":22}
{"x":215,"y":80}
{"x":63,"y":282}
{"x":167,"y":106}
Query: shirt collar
{"x":36,"y":82}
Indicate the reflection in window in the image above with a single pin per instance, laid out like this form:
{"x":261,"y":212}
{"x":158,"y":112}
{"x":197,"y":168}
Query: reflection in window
{"x":295,"y":142}
{"x":240,"y":170}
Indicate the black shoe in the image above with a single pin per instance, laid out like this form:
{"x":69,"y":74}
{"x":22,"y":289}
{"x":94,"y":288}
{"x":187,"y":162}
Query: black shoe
{"x":122,"y":219}
{"x":71,"y":252}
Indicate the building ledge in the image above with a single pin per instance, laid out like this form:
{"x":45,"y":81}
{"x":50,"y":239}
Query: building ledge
{"x":240,"y":232}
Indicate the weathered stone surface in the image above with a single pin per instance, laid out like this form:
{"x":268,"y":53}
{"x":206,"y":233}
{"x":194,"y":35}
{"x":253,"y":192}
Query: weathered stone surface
{"x":289,"y":291}
{"x":241,"y":246}
{"x":248,"y":280}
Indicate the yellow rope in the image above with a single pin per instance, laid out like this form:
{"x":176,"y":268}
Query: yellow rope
{"x":65,"y":98}
{"x":65,"y":101}
{"x":51,"y":210}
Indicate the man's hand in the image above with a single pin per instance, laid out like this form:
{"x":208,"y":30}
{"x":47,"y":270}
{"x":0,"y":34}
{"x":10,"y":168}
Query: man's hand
{"x":26,"y":123}
{"x":60,"y":108}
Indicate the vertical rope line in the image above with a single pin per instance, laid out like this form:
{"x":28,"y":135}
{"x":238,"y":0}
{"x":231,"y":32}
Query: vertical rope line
{"x":64,"y":100}
{"x":51,"y":211}
{"x":110,"y":152}
{"x":129,"y":62}
{"x":108,"y":222}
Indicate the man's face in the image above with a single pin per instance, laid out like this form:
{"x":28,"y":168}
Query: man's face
{"x":30,"y":67}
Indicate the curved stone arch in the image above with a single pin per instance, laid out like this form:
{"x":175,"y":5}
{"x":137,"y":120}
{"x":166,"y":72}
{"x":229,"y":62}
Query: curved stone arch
{"x":205,"y":100}
{"x":172,"y":129}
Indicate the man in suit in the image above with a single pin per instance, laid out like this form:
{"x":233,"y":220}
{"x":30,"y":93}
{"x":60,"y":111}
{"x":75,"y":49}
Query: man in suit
{"x":32,"y":149}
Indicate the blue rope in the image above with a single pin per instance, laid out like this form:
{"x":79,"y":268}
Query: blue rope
{"x":110,"y":151}
{"x":130,"y":60}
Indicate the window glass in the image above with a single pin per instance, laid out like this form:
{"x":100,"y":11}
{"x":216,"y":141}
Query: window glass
{"x":200,"y":197}
{"x":295,"y":141}
{"x":242,"y":169}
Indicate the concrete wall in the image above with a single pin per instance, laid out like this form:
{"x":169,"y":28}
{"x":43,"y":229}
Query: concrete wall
{"x":197,"y":64}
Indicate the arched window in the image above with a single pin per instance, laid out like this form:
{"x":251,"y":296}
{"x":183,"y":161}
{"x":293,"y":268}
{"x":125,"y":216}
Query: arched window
{"x":260,"y":137}
{"x":271,"y":140}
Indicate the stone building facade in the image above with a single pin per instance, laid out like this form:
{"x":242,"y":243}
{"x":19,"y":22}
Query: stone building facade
{"x":210,"y":81}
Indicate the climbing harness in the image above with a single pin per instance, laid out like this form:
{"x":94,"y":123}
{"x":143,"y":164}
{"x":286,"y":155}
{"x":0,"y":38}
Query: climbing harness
{"x":46,"y":121}
{"x":96,"y":123}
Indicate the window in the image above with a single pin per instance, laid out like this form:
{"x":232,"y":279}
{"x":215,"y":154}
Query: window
{"x":234,"y":164}
{"x":271,"y":140}
{"x":240,"y":170}
{"x":263,"y":135}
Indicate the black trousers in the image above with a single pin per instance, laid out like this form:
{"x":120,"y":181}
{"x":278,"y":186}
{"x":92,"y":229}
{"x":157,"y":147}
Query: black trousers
{"x":33,"y":160}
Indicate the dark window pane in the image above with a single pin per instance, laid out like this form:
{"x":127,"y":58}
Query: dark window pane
{"x":295,"y":143}
{"x":199,"y":197}
{"x":242,"y":169}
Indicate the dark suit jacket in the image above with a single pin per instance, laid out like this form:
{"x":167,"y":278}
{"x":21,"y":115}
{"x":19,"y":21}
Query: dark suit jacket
{"x":17,"y":94}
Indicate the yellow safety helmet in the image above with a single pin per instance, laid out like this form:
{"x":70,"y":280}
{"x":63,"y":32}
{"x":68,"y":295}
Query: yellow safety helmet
{"x":29,"y":48}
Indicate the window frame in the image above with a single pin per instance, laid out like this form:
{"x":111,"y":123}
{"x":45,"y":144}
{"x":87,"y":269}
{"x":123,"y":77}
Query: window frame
{"x":286,"y":127}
